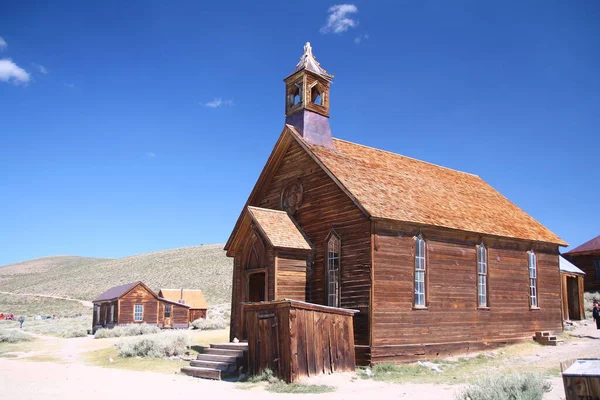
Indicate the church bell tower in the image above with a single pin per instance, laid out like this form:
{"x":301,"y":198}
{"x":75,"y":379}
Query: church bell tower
{"x":307,"y":100}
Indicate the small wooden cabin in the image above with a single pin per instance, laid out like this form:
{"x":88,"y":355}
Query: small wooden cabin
{"x":193,"y":298}
{"x":436,"y":261}
{"x":587,"y":258}
{"x":136,"y":303}
{"x":571,"y":279}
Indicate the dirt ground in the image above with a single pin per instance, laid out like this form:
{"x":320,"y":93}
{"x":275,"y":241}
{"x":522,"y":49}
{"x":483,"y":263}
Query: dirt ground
{"x":67,"y":377}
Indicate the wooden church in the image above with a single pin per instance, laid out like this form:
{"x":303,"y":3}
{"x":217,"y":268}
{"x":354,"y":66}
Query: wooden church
{"x":435,"y":260}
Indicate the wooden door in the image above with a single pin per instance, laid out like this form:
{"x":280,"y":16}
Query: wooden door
{"x":573,"y":298}
{"x":267,"y":355}
{"x":167,"y":322}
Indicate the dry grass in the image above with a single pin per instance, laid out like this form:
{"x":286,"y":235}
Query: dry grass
{"x":198,"y":267}
{"x":60,"y":327}
{"x":30,"y":306}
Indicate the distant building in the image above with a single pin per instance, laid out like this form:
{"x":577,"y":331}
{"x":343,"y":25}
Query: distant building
{"x":192,"y":298}
{"x":571,"y":279}
{"x":136,"y":303}
{"x":587,"y":258}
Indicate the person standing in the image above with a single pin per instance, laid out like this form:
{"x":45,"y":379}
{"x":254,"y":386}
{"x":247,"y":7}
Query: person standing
{"x":21,"y":320}
{"x":596,"y":313}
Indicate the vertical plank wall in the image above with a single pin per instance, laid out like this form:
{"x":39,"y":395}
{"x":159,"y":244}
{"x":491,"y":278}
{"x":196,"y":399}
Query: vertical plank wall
{"x":138,"y":295}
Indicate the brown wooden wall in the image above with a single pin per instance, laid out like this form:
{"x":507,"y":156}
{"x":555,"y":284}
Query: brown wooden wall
{"x":291,"y":278}
{"x":585,"y":262}
{"x":325,"y":207}
{"x":298,"y":340}
{"x":197,"y":313}
{"x":452,"y":321}
{"x":179,"y":314}
{"x":138,"y":295}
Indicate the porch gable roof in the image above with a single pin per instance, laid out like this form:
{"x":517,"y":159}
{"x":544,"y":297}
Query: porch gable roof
{"x":279,"y":229}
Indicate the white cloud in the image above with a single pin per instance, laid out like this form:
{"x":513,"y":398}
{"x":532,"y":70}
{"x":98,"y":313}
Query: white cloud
{"x":360,"y":38}
{"x":339,"y":19}
{"x":3,"y":43}
{"x":9,"y":71}
{"x":218,"y":102}
{"x":41,"y":68}
{"x":70,"y":85}
{"x":150,"y":154}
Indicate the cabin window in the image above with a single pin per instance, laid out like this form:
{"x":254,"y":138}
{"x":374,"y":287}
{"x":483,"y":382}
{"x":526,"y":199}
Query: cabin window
{"x":597,"y":268}
{"x":333,"y":270}
{"x":167,"y":311}
{"x":420,"y":272}
{"x":112,"y":312}
{"x":138,"y":312}
{"x":533,"y":297}
{"x":482,"y":274}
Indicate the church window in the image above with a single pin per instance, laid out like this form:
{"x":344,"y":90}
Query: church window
{"x":420,"y":272}
{"x":333,"y":270}
{"x":533,"y":297}
{"x":482,"y":275}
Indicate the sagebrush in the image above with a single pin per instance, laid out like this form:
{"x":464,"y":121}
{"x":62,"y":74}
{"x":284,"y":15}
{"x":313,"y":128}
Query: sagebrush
{"x":14,"y":336}
{"x":165,"y":344}
{"x":217,"y":317}
{"x":127,"y":330}
{"x":507,"y":387}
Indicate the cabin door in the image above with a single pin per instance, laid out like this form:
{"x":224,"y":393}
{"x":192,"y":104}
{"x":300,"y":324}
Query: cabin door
{"x":573,"y":298}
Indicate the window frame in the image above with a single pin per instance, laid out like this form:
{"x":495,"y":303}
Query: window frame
{"x":169,"y":307}
{"x":135,"y":312}
{"x":417,"y":257}
{"x":333,"y":235}
{"x":485,"y":275}
{"x":534,"y":299}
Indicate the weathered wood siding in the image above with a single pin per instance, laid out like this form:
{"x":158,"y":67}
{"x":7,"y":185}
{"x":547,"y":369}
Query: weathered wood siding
{"x":452,"y":321}
{"x":197,"y":313}
{"x":325,"y":207}
{"x":585,"y":262}
{"x":297,"y":340}
{"x":291,"y":278}
{"x":179,"y":315}
{"x":105,"y":318}
{"x":138,"y":295}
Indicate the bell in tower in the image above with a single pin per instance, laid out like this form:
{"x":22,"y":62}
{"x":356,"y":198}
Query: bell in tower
{"x":307,"y":100}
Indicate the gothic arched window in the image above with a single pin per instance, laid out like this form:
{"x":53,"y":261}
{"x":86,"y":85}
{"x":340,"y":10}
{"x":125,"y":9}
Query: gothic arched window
{"x":333,"y":270}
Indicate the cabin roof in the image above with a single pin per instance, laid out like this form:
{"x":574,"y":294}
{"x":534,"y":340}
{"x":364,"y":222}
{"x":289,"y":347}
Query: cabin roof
{"x":391,"y":186}
{"x":568,"y":267}
{"x":590,"y":245}
{"x":116,"y":292}
{"x":191,"y":298}
{"x":279,"y":228}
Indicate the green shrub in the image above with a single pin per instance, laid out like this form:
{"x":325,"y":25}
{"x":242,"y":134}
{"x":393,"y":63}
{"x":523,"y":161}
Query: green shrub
{"x":127,"y":330}
{"x":166,"y":344}
{"x":507,"y":387}
{"x":14,"y":336}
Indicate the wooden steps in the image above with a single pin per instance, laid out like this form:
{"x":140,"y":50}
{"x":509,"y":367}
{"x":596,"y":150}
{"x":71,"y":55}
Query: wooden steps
{"x":218,"y":361}
{"x":546,"y":338}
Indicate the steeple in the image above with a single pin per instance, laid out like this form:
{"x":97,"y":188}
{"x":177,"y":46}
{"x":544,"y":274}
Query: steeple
{"x":307,"y":99}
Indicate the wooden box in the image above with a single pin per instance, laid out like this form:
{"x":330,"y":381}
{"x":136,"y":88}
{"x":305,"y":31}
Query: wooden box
{"x":297,"y":339}
{"x":582,"y":379}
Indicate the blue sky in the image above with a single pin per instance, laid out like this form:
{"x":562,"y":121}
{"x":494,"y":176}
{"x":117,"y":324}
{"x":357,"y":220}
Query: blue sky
{"x":127,"y":127}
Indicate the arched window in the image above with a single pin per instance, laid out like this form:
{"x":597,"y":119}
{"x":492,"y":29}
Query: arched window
{"x":482,"y":288}
{"x":533,"y":298}
{"x":256,"y":254}
{"x":333,"y":270}
{"x":315,"y":96}
{"x":420,"y":272}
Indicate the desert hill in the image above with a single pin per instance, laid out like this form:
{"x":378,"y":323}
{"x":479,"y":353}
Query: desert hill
{"x":198,"y":267}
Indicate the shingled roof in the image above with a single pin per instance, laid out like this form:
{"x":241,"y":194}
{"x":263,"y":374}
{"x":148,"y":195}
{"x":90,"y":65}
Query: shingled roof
{"x":191,"y":298}
{"x":590,"y":245}
{"x":116,"y":292}
{"x":391,"y":186}
{"x":278,"y":228}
